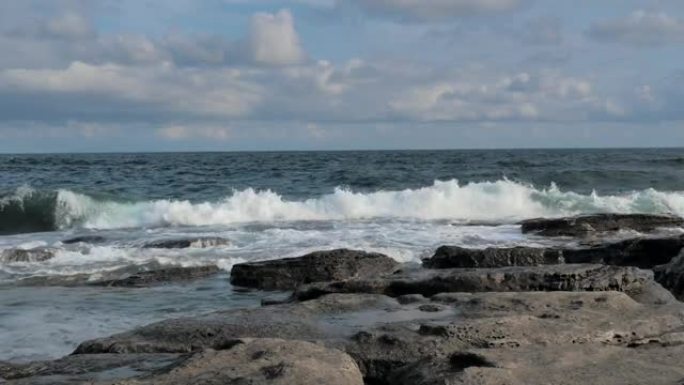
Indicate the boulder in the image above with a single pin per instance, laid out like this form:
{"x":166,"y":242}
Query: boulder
{"x":318,"y":266}
{"x":261,"y":362}
{"x":38,"y":254}
{"x":587,"y":224}
{"x":671,"y":276}
{"x":184,"y":243}
{"x":455,"y":256}
{"x":566,"y":277}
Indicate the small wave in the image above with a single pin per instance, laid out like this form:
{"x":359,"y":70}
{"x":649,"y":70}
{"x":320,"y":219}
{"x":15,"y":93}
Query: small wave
{"x":501,"y":201}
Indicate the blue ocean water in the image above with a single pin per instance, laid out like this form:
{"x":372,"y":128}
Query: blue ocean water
{"x":273,"y":205}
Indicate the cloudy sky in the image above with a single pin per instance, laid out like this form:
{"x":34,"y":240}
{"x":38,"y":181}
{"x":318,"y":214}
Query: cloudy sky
{"x":160,"y":75}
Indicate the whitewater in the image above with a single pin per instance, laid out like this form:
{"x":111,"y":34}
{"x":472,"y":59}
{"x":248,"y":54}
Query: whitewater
{"x":501,"y":201}
{"x":275,"y":205}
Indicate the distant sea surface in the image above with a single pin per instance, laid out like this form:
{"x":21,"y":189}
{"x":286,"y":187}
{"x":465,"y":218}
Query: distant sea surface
{"x":274,"y":205}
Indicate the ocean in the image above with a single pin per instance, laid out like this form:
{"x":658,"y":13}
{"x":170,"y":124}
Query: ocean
{"x":272,"y":205}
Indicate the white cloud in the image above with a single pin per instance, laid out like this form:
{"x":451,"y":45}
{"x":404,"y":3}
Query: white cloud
{"x":184,"y":132}
{"x":641,"y":28}
{"x":434,"y":10}
{"x":273,"y":39}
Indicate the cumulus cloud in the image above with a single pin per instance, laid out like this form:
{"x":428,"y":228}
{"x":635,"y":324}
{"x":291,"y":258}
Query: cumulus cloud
{"x":435,"y":10}
{"x":273,"y":39}
{"x":523,"y":96}
{"x":641,"y":28}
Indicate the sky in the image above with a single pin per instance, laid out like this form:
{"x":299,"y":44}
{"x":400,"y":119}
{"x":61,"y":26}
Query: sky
{"x":226,"y":75}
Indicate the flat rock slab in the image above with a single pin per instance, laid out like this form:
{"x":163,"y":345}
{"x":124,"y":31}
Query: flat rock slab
{"x":455,"y":256}
{"x":84,"y":369}
{"x":645,"y":252}
{"x":184,"y":243}
{"x":38,"y":254}
{"x":318,"y":266}
{"x":567,"y":277}
{"x":84,"y":239}
{"x":262,"y":362}
{"x":642,"y":252}
{"x":319,"y":319}
{"x":132,"y":276}
{"x":587,"y":224}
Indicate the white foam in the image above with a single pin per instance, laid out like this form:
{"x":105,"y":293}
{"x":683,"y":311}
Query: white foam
{"x":500,"y":201}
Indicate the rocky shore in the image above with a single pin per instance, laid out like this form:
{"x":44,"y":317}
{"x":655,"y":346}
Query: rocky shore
{"x":602,"y":313}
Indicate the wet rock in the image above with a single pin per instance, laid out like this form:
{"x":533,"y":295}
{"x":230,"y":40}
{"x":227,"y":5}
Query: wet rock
{"x":569,"y":277}
{"x":586,"y":224}
{"x":157,"y":276}
{"x":38,"y":254}
{"x":85,"y":239}
{"x":85,"y":369}
{"x":262,"y":361}
{"x":130,"y":276}
{"x":314,"y":267}
{"x":639,"y":252}
{"x":287,"y":321}
{"x":671,"y":276}
{"x":445,"y":370}
{"x":184,"y":243}
{"x":454,"y":256}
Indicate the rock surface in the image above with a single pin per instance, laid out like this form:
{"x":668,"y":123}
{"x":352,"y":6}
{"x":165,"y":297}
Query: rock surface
{"x":639,"y":252}
{"x":671,"y":276}
{"x":38,"y":254}
{"x":262,"y":362}
{"x":587,"y":224}
{"x":184,"y":243}
{"x":566,"y":277}
{"x":132,"y":276}
{"x":84,"y":239}
{"x":314,"y":267}
{"x":455,"y":256}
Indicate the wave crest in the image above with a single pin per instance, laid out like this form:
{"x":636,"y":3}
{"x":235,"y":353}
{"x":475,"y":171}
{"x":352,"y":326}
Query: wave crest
{"x":499,"y":201}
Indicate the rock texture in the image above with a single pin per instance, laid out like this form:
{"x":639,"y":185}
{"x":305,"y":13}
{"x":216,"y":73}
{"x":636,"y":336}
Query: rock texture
{"x":84,"y":239}
{"x":262,"y":362}
{"x":184,"y":243}
{"x":639,"y":252}
{"x":315,"y":267}
{"x":132,"y":276}
{"x":454,"y":256}
{"x":587,"y":224}
{"x":505,"y":279}
{"x":38,"y":254}
{"x":671,"y":276}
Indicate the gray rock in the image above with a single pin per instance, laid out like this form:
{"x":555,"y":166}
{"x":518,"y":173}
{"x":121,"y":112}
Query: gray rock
{"x":184,"y":243}
{"x":82,"y":369}
{"x":671,"y":276}
{"x":130,"y":276}
{"x":318,"y":266}
{"x":586,"y":224}
{"x":38,"y":254}
{"x":639,"y":252}
{"x":85,"y":239}
{"x":567,"y":277}
{"x":455,"y":256}
{"x":158,"y":276}
{"x":262,"y":362}
{"x":304,"y":321}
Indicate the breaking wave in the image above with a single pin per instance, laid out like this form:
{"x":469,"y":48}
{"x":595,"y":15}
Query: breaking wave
{"x":503,"y":201}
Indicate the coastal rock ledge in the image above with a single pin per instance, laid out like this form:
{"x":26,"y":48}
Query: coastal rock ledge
{"x":319,"y":266}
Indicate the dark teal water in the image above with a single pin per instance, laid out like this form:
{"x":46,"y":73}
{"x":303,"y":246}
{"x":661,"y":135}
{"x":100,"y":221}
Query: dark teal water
{"x":275,"y":205}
